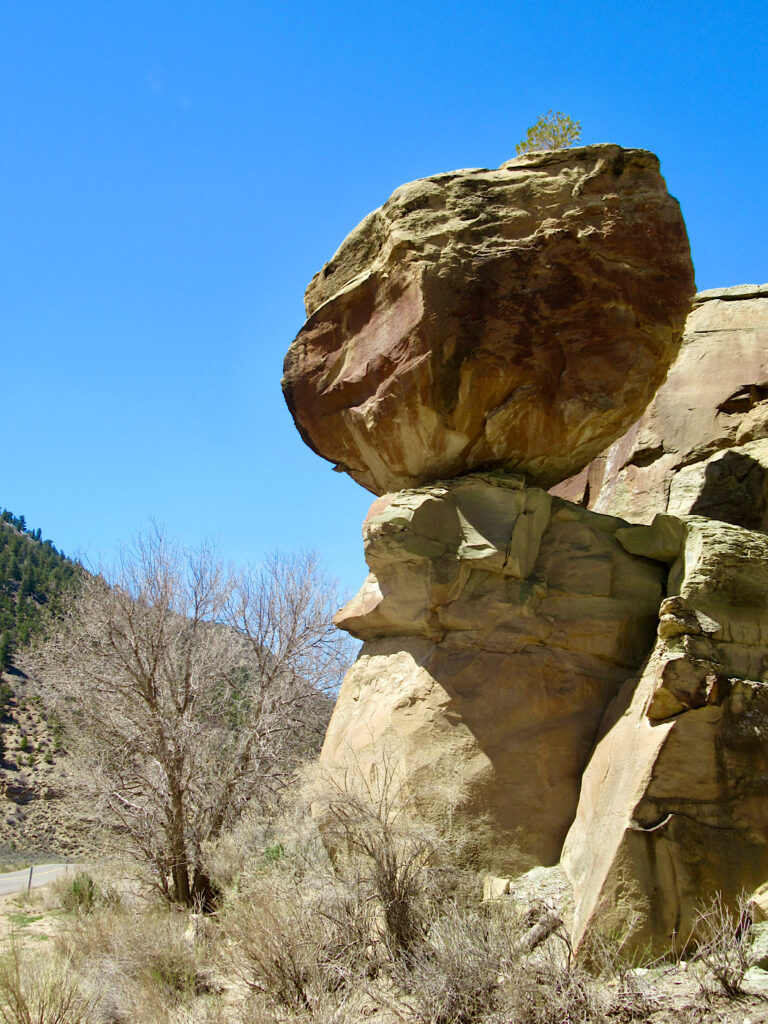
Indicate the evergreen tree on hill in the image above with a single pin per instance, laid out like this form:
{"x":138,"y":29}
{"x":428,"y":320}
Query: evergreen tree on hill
{"x":33,"y":574}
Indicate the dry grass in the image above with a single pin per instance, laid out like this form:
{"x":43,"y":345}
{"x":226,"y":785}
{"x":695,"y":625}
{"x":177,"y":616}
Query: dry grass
{"x":36,"y":990}
{"x":145,"y":966}
{"x":299,"y":938}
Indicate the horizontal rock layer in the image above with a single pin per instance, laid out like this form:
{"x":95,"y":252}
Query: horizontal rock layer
{"x":520,"y":317}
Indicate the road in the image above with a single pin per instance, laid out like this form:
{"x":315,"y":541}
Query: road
{"x":15,"y":881}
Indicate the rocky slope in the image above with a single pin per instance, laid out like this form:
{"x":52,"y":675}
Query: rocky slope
{"x":567,"y":687}
{"x":39,"y":817}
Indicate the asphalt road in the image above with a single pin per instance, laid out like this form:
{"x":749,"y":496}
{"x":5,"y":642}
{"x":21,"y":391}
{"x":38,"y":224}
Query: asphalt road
{"x":15,"y":881}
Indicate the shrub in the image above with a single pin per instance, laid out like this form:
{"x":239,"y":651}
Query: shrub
{"x":380,"y":847}
{"x":456,"y":975}
{"x":6,"y":694}
{"x":723,"y":932}
{"x":295,"y":940}
{"x":80,"y":895}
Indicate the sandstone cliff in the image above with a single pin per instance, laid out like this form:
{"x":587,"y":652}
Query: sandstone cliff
{"x":561,"y":684}
{"x":701,"y":447}
{"x":674,"y":800}
{"x":499,"y":624}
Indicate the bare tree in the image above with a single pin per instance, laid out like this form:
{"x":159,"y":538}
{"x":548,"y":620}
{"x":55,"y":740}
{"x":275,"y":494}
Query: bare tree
{"x":189,"y":692}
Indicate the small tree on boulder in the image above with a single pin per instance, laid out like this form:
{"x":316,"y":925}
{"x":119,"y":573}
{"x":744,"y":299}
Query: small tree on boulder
{"x":553,"y":130}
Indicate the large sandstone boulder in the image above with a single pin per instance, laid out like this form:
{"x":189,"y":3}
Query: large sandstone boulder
{"x":520,"y":318}
{"x":499,"y":623}
{"x":674,"y":800}
{"x":702,"y":445}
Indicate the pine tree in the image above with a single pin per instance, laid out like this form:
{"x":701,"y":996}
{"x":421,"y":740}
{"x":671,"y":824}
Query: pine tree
{"x":553,"y":130}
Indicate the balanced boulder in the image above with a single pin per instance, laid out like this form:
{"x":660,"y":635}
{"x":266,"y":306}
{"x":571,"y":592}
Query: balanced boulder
{"x":519,"y":318}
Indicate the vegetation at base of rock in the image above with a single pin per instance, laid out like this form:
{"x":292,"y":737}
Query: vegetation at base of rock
{"x":725,"y":940}
{"x":553,"y":130}
{"x":294,"y":941}
{"x":33,"y":575}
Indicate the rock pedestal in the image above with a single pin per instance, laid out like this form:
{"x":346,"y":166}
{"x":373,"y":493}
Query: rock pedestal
{"x":552,"y":683}
{"x":499,"y":623}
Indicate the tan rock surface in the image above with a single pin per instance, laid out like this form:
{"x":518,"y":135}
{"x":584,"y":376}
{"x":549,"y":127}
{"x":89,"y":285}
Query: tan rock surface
{"x":674,"y":800}
{"x":498,"y":625}
{"x":702,"y":445}
{"x":520,"y":317}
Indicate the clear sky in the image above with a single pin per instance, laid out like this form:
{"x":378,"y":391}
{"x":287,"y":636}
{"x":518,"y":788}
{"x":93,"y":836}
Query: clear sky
{"x":172,"y":174}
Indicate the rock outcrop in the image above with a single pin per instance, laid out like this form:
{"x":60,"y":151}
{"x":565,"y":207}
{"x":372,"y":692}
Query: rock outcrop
{"x":701,"y":447}
{"x":519,"y":318}
{"x":674,"y":801}
{"x":499,"y":623}
{"x":579,"y":695}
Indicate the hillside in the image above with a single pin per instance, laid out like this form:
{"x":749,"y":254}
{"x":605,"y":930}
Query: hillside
{"x":34,"y":577}
{"x":33,"y":574}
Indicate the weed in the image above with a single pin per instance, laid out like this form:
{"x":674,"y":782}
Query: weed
{"x":21,"y":920}
{"x":274,"y":853}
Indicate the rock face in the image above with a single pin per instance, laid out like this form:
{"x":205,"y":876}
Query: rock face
{"x":499,"y":623}
{"x":571,"y":691}
{"x":674,"y":801}
{"x":518,"y":318}
{"x":702,"y":445}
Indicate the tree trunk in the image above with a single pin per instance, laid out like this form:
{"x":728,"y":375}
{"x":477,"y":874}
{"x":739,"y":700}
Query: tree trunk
{"x":204,"y":892}
{"x":182,"y":892}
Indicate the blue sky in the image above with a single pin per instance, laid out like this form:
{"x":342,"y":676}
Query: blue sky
{"x":173,"y":173}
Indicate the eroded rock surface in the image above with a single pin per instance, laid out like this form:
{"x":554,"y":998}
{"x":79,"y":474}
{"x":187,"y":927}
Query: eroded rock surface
{"x":702,"y":445}
{"x":499,"y":623}
{"x":674,"y":800}
{"x":520,"y":318}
